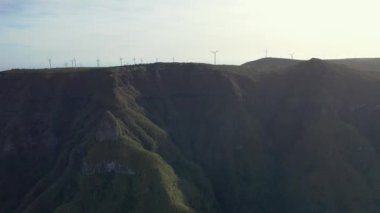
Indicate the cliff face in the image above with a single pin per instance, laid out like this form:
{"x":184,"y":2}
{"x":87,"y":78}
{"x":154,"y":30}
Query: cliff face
{"x":323,"y":121}
{"x":190,"y":138}
{"x":42,"y":117}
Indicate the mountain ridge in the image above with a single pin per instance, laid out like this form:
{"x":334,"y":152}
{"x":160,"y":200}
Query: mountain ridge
{"x":191,"y":138}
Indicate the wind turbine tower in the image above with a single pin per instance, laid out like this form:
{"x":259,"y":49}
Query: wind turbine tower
{"x":97,"y":62}
{"x":291,"y":55}
{"x":214,"y":53}
{"x":75,"y":62}
{"x":266,"y":53}
{"x":121,"y":61}
{"x":49,"y":62}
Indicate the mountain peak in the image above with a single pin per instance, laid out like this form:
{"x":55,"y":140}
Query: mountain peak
{"x":265,"y":64}
{"x":314,"y":64}
{"x":315,"y":60}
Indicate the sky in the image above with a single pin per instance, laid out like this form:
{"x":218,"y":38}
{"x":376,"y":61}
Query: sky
{"x":33,"y":31}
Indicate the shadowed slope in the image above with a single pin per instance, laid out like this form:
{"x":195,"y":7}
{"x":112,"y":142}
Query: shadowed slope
{"x":312,"y":115}
{"x":367,"y":64}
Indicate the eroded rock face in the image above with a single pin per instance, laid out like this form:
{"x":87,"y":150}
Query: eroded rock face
{"x":108,"y":130}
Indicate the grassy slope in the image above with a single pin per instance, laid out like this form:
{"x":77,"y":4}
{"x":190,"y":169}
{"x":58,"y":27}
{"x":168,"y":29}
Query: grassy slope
{"x":63,"y":184}
{"x":205,"y":114}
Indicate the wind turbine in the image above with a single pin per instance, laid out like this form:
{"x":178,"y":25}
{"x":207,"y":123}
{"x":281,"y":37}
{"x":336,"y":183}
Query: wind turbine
{"x":214,"y":53}
{"x":266,"y":53}
{"x":49,"y":62}
{"x":291,"y":55}
{"x":75,"y":62}
{"x":134,"y":60}
{"x":121,"y":61}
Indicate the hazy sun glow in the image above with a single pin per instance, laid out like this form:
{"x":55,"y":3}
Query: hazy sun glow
{"x":31,"y":31}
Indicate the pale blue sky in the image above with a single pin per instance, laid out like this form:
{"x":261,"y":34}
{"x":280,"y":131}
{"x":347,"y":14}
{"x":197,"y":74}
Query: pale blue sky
{"x":31,"y":31}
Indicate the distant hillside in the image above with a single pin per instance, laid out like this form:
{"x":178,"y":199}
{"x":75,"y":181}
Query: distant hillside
{"x":303,"y":136}
{"x":266,"y":64}
{"x":368,"y":64}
